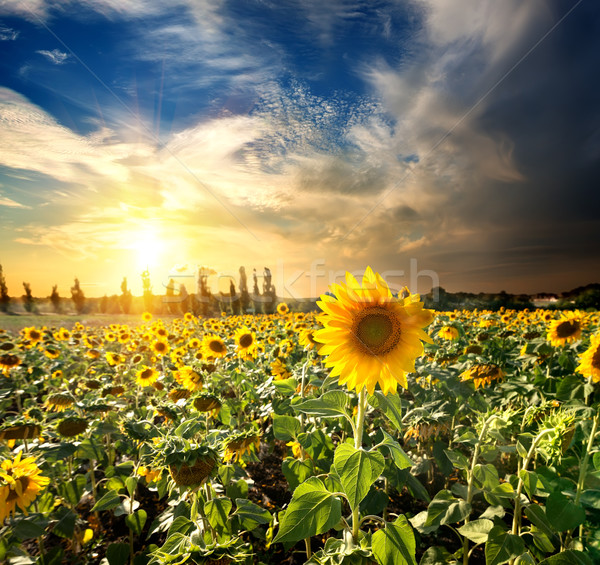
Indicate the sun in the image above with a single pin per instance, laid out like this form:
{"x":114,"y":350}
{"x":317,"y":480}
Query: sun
{"x":147,"y":248}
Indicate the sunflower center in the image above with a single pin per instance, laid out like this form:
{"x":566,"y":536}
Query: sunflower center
{"x":13,"y":494}
{"x":377,"y":329}
{"x":246,"y":340}
{"x":216,"y":346}
{"x":596,"y":359}
{"x":567,"y":329}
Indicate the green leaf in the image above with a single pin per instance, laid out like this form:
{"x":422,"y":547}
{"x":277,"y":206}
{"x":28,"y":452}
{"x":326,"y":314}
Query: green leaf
{"x":358,"y":470}
{"x":109,"y":501}
{"x":286,"y":387}
{"x":286,"y":428}
{"x":591,"y":498}
{"x":502,"y":546}
{"x":399,"y":456}
{"x":32,"y":526}
{"x":390,"y":405}
{"x":487,"y":476}
{"x":562,"y":513}
{"x":90,"y":449}
{"x":180,"y":525}
{"x":477,"y":530}
{"x":331,"y":405}
{"x":251,"y":515}
{"x":217,"y":511}
{"x":568,"y":557}
{"x":530,"y":481}
{"x":239,"y":489}
{"x":296,"y":471}
{"x":457,"y":459}
{"x":117,"y":553}
{"x":73,"y":490}
{"x":445,"y":509}
{"x":313,"y":510}
{"x":395,"y":544}
{"x":596,"y":460}
{"x":135,"y":522}
{"x":537,"y":516}
{"x":436,"y":556}
{"x":131,"y":484}
{"x":65,"y":525}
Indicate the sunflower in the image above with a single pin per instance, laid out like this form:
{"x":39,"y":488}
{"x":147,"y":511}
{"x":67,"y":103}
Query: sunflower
{"x":240,"y":444}
{"x":214,"y":346}
{"x":146,"y":316}
{"x":566,"y":329}
{"x":482,"y":374}
{"x":279,"y":370}
{"x":62,"y":334}
{"x":307,"y":339}
{"x":60,"y":401}
{"x":51,"y":352}
{"x":189,"y":317}
{"x":32,"y":335}
{"x":114,"y":359}
{"x":8,"y":362}
{"x":449,"y":333}
{"x":370,"y":337}
{"x":189,"y":378}
{"x":160,"y":347}
{"x":20,"y":482}
{"x":146,"y":376}
{"x":589,"y":365}
{"x":245,"y":340}
{"x":282,"y":308}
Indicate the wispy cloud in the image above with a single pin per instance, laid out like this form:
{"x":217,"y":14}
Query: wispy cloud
{"x":55,"y":56}
{"x":10,"y":203}
{"x":7,"y":33}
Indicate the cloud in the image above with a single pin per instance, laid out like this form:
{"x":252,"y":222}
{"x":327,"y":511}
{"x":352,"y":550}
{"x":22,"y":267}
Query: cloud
{"x":7,"y":33}
{"x":10,"y":203}
{"x":55,"y":56}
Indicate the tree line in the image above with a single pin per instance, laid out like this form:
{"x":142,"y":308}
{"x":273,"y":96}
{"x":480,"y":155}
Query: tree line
{"x":258,"y":297}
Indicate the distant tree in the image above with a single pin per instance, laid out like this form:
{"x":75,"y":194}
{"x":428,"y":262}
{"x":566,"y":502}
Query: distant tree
{"x":103,"y":304}
{"x":147,"y":288}
{"x":170,"y":298}
{"x":125,"y":298}
{"x":4,"y":297}
{"x":184,"y":299}
{"x":269,"y":298}
{"x":78,"y":297}
{"x":28,"y":300}
{"x":244,"y":295}
{"x":55,"y":299}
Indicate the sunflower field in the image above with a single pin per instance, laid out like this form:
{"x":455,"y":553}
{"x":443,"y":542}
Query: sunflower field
{"x":374,"y":431}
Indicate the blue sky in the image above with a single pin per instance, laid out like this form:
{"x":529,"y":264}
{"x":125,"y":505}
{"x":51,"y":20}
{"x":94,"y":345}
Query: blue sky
{"x":450,"y":142}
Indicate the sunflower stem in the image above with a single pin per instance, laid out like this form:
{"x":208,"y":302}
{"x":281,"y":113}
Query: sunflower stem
{"x":583,"y":472}
{"x":516,"y":528}
{"x":358,"y":435}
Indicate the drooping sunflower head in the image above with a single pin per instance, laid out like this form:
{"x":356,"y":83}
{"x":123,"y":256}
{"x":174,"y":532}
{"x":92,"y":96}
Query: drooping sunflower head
{"x":60,"y":401}
{"x":20,"y":483}
{"x":371,"y":337}
{"x":214,"y":346}
{"x":589,"y":362}
{"x":8,"y":361}
{"x":239,"y":444}
{"x":483,"y":374}
{"x":566,"y":329}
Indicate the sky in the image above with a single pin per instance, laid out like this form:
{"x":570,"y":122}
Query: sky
{"x":451,"y":143}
